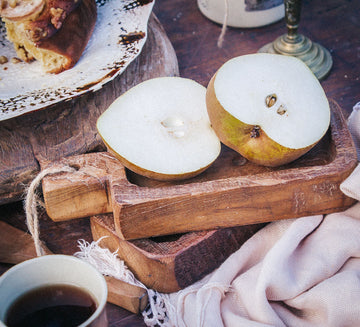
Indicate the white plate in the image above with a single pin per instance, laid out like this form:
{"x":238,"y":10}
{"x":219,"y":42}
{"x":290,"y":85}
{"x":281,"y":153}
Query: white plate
{"x":119,"y":35}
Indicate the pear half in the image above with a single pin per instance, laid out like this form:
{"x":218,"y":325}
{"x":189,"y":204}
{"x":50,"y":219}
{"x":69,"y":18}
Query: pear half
{"x":270,"y":108}
{"x":160,"y":129}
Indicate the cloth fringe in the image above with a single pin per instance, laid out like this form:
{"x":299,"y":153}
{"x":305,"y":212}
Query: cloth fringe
{"x":109,"y":264}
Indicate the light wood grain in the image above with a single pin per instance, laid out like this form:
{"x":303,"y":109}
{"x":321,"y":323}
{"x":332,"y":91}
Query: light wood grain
{"x":130,"y":297}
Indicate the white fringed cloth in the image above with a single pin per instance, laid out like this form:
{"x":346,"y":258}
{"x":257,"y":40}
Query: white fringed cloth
{"x":298,"y":272}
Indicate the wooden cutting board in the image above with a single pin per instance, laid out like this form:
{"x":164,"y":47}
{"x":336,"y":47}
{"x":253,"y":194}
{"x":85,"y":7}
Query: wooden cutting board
{"x":168,"y":264}
{"x":232,"y":192}
{"x":69,"y":128}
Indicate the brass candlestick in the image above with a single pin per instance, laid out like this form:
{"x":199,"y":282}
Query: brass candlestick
{"x":293,"y":44}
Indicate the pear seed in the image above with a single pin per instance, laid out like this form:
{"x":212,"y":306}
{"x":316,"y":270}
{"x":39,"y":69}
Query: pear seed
{"x":172,"y":122}
{"x":174,"y":126}
{"x":178,"y":134}
{"x":270,"y":100}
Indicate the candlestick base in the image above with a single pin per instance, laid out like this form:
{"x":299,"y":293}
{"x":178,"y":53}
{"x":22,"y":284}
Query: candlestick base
{"x":317,"y":58}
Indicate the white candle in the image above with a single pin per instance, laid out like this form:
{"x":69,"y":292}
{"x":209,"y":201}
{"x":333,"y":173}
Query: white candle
{"x":243,"y":13}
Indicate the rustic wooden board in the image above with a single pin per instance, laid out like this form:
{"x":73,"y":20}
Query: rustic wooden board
{"x":69,"y":128}
{"x":168,"y":264}
{"x":232,"y":192}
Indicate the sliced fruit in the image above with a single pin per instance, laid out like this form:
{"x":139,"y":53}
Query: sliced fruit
{"x":269,"y":108}
{"x":160,"y":129}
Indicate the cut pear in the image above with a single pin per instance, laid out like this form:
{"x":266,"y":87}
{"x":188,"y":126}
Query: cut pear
{"x":269,"y":108}
{"x":160,"y":129}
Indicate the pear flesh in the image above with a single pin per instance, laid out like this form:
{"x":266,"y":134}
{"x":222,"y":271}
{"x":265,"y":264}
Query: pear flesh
{"x":269,"y":108}
{"x":160,"y":129}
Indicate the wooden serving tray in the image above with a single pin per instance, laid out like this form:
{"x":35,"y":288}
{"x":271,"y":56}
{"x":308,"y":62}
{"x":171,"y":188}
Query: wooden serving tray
{"x":232,"y":192}
{"x":168,"y":264}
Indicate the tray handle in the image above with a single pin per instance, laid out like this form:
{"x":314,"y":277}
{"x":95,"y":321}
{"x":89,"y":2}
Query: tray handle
{"x":83,"y":193}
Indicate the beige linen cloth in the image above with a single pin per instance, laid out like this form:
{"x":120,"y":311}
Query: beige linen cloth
{"x":300,"y":272}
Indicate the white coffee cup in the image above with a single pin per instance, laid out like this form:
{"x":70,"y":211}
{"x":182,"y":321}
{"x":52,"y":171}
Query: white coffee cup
{"x":49,"y":270}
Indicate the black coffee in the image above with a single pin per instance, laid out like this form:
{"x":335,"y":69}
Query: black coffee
{"x":51,"y":306}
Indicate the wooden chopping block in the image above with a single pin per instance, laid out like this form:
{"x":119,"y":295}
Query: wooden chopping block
{"x":17,"y":246}
{"x":232,"y":192}
{"x":168,"y":264}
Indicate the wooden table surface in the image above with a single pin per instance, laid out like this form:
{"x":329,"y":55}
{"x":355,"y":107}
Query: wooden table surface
{"x":334,"y":24}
